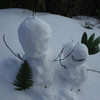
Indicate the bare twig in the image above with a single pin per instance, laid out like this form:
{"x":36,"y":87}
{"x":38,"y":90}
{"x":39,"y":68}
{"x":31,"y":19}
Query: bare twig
{"x":60,"y":54}
{"x":62,"y":64}
{"x":93,"y":70}
{"x":17,"y":55}
{"x":60,"y":57}
{"x":70,"y":52}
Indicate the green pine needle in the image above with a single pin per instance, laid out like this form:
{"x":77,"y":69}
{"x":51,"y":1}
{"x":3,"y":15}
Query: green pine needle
{"x":24,"y":77}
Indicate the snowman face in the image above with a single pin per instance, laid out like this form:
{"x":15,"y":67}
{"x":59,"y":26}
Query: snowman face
{"x":78,"y":53}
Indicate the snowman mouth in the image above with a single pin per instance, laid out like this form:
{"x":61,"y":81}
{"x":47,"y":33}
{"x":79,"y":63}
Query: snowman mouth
{"x":77,"y":60}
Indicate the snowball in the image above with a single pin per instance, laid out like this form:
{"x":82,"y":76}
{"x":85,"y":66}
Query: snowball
{"x":79,"y":53}
{"x":34,"y":35}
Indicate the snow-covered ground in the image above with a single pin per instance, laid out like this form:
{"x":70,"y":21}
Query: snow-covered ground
{"x":64,"y":31}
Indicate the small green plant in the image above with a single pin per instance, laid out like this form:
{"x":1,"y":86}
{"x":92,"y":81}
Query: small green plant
{"x":24,"y":77}
{"x":91,"y":43}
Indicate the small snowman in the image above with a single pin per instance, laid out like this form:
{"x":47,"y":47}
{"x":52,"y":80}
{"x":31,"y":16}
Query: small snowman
{"x":34,"y":36}
{"x":75,"y":55}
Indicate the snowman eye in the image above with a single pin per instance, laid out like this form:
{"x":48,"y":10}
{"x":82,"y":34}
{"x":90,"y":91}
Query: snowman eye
{"x":77,"y":60}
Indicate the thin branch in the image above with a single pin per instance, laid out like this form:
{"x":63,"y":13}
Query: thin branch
{"x":62,"y":65}
{"x":60,"y":54}
{"x":70,"y":52}
{"x":17,"y":55}
{"x":60,"y":57}
{"x":93,"y":70}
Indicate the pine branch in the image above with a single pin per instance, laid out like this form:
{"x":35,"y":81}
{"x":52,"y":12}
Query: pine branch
{"x":24,"y":77}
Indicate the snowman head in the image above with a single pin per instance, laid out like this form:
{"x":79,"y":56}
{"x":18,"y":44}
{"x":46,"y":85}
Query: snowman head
{"x":34,"y":35}
{"x":78,"y":53}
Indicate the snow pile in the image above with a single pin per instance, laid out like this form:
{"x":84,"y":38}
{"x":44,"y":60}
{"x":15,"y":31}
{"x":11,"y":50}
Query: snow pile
{"x":34,"y":36}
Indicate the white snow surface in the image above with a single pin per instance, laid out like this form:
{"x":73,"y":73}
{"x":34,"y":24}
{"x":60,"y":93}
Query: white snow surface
{"x":59,"y":86}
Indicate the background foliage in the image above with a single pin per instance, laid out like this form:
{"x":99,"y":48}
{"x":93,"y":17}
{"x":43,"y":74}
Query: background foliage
{"x":91,"y":43}
{"x":67,"y":8}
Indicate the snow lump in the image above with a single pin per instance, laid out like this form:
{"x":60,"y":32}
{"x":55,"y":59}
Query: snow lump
{"x":34,"y":36}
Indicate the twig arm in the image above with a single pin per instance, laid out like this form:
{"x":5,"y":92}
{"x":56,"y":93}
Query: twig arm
{"x":93,"y":70}
{"x":18,"y":56}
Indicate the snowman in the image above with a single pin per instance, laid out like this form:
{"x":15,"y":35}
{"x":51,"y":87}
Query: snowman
{"x":75,"y":55}
{"x":34,"y":36}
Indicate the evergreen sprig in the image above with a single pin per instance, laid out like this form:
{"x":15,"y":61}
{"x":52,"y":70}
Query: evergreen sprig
{"x":24,"y":77}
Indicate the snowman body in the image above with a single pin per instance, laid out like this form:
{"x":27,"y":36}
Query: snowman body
{"x":76,"y":69}
{"x":34,"y":36}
